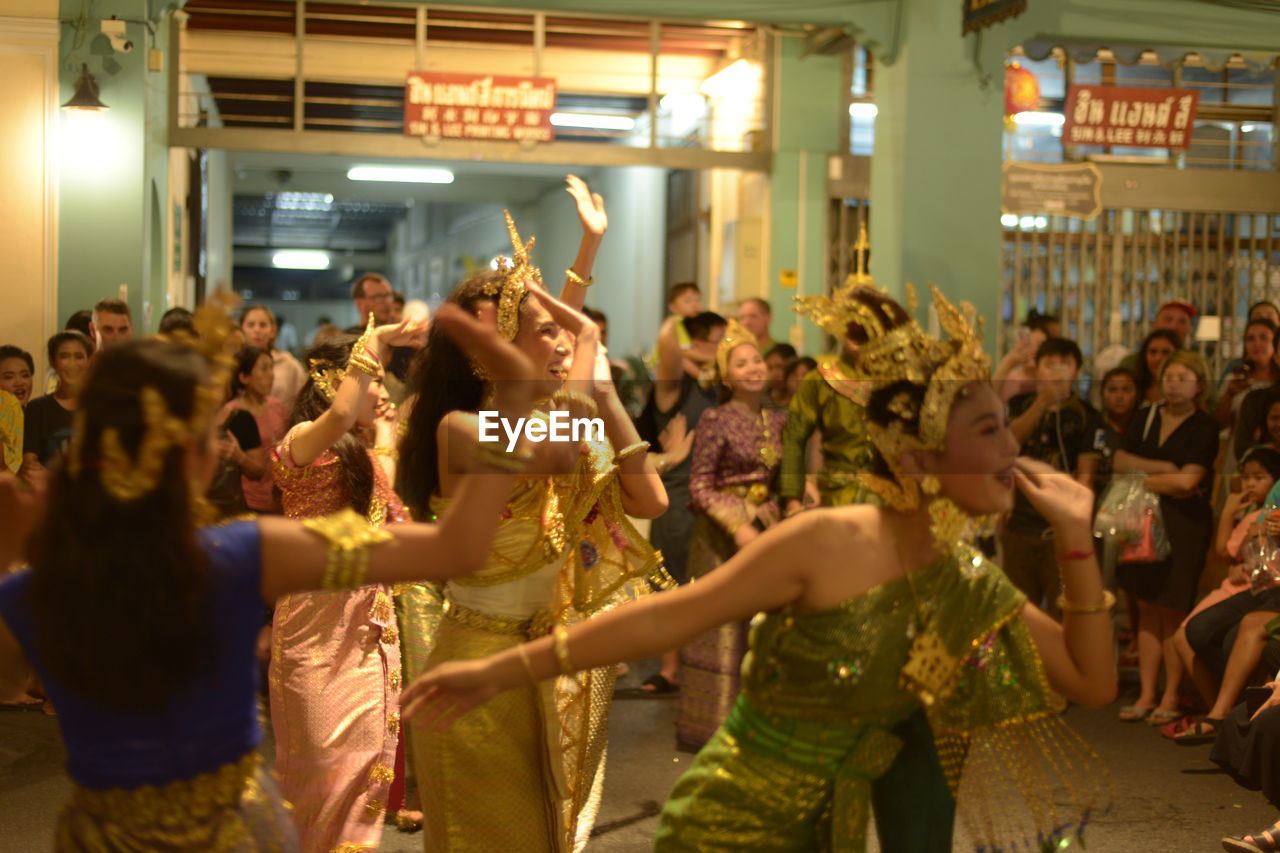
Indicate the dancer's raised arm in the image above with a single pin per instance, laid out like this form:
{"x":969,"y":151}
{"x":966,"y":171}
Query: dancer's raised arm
{"x":594,"y":223}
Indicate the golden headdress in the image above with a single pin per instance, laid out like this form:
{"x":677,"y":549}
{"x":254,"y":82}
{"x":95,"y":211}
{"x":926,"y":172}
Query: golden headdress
{"x":509,"y":289}
{"x":127,"y":479}
{"x":734,"y":336}
{"x":833,"y":313}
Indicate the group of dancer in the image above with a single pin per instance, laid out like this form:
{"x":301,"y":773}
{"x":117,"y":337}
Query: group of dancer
{"x":895,"y":668}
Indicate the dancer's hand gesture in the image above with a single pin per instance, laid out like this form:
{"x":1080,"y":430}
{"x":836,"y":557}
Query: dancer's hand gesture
{"x":438,"y":697}
{"x":1055,"y":494}
{"x":410,"y":333}
{"x":590,"y":207}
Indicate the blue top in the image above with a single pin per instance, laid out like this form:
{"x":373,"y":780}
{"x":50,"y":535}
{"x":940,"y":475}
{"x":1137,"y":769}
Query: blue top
{"x":212,"y":723}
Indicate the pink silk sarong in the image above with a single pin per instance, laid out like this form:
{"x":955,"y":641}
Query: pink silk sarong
{"x":334,"y":680}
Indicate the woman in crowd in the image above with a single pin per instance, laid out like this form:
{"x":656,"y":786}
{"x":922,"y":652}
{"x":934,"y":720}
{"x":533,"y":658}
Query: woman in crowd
{"x":1155,"y":349}
{"x":47,"y":429}
{"x":260,"y":329}
{"x":16,"y":369}
{"x":143,"y":628}
{"x":335,"y":659}
{"x":1257,"y":311}
{"x":525,"y":773}
{"x":1119,"y":397}
{"x":732,"y":489}
{"x":1257,"y":369}
{"x":1237,"y":526}
{"x":797,"y":371}
{"x":1174,"y":443}
{"x":251,"y":384}
{"x":888,"y":610}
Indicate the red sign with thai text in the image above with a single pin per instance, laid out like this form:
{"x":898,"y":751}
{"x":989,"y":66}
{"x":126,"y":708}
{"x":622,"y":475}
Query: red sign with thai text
{"x":1128,"y":115}
{"x":479,"y":106}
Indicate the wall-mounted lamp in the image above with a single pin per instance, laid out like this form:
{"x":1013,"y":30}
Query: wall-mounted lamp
{"x":86,"y":96}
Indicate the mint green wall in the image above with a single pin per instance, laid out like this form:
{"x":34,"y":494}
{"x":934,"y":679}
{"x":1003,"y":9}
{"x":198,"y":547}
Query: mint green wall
{"x":112,"y":167}
{"x":808,"y":127}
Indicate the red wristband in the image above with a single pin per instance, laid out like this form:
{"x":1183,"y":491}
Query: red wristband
{"x":1075,"y":555}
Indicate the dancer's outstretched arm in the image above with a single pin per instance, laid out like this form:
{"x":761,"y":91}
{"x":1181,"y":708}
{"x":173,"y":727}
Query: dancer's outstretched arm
{"x":594,"y":223}
{"x":294,"y":558}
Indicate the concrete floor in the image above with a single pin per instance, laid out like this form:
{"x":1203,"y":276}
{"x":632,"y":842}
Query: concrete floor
{"x":1169,"y":798}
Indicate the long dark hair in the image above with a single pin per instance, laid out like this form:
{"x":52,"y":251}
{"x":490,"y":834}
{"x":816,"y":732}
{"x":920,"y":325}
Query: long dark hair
{"x":1143,"y":376}
{"x":119,"y":589}
{"x":1271,"y":365}
{"x":444,"y":382}
{"x":246,"y":361}
{"x":353,"y":456}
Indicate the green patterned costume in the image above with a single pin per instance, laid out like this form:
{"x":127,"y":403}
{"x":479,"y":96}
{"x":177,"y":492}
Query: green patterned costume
{"x":792,"y":769}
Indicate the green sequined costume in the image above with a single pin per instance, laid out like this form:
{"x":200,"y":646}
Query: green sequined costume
{"x":792,"y":768}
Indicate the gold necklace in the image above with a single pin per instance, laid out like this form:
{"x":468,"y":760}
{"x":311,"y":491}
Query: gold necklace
{"x":929,"y":667}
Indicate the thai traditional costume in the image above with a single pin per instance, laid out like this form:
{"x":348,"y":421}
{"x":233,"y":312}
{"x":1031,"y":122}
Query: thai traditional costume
{"x":735,"y":460}
{"x":186,"y":776}
{"x":334,"y":677}
{"x":793,"y":766}
{"x":525,"y":771}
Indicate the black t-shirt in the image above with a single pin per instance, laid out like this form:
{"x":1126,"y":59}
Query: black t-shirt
{"x":1059,"y":439}
{"x":46,"y":430}
{"x":242,"y":425}
{"x":1192,"y":442}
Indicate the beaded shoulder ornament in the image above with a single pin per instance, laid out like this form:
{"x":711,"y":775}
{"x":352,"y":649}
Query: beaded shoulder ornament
{"x":126,"y":478}
{"x":734,"y":336}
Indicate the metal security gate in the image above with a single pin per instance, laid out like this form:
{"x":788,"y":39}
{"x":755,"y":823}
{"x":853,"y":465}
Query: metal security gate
{"x":1106,"y":277}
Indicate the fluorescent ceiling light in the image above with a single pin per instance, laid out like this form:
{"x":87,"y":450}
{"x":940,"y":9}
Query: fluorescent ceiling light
{"x":863,"y":110}
{"x":1032,"y":118}
{"x":401,"y":174}
{"x":300,"y":259}
{"x":1009,"y":220}
{"x":739,"y":78}
{"x":304,"y":201}
{"x":594,"y":121}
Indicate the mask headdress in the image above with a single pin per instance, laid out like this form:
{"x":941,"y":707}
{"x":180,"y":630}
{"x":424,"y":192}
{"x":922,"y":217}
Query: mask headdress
{"x":734,"y":336}
{"x":128,"y":478}
{"x":833,"y":313}
{"x":509,"y":290}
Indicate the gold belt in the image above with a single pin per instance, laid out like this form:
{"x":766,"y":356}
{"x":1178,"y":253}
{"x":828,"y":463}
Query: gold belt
{"x":537,"y":625}
{"x":757,"y":493}
{"x":170,"y":804}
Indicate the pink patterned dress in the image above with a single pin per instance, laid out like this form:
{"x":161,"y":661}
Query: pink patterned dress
{"x":334,"y":678}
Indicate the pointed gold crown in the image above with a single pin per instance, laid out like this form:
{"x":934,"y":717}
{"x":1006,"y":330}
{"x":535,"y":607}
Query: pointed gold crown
{"x":734,"y":336}
{"x":509,"y":290}
{"x":126,"y":478}
{"x":833,"y":313}
{"x":897,"y":353}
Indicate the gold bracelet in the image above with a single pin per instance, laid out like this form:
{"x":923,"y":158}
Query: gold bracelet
{"x":349,"y":537}
{"x":1108,"y":602}
{"x":629,"y":451}
{"x":515,"y":462}
{"x":384,"y":451}
{"x":574,"y":278}
{"x":364,"y":363}
{"x":528,"y":667}
{"x":360,"y":358}
{"x":561,"y":646}
{"x":564,"y":399}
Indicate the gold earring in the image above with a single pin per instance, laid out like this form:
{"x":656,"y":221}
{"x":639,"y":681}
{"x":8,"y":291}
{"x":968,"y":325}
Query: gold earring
{"x":930,"y":485}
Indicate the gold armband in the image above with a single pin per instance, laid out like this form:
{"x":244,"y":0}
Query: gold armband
{"x":361,"y":358}
{"x":515,"y":462}
{"x":1108,"y":602}
{"x":629,"y":451}
{"x":574,"y":278}
{"x":561,"y":646}
{"x":563,"y":399}
{"x":349,"y":537}
{"x":384,"y":451}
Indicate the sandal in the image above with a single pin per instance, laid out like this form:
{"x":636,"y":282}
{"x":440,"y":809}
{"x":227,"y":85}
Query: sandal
{"x":1172,"y":730}
{"x":1266,"y":841}
{"x":1158,"y":717}
{"x":1198,"y":734}
{"x":1134,"y":713}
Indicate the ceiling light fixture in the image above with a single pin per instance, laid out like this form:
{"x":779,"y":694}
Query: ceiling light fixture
{"x":86,"y":96}
{"x":594,"y":121}
{"x":300,"y":259}
{"x":401,"y":174}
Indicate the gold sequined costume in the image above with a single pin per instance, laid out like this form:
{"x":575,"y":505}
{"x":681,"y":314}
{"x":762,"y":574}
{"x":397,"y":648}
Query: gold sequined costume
{"x":792,"y":768}
{"x":525,"y":771}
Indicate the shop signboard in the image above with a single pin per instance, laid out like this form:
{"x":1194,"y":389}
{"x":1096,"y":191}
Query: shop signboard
{"x":1130,"y":116}
{"x":1062,"y":189}
{"x":479,"y":106}
{"x":979,"y":14}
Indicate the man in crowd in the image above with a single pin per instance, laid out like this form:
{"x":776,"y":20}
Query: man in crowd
{"x":373,"y":294}
{"x":755,"y":315}
{"x":111,"y":324}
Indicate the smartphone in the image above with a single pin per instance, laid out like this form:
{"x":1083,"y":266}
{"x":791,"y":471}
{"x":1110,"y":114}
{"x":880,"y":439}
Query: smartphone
{"x":1254,"y":697}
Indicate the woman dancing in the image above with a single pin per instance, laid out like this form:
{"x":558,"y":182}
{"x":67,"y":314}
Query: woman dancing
{"x":849,"y":647}
{"x":335,"y":657}
{"x":143,"y":628}
{"x":732,"y":485}
{"x":526,"y":772}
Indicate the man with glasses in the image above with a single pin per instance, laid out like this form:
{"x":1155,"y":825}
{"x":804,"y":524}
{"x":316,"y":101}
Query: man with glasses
{"x":372,"y":294}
